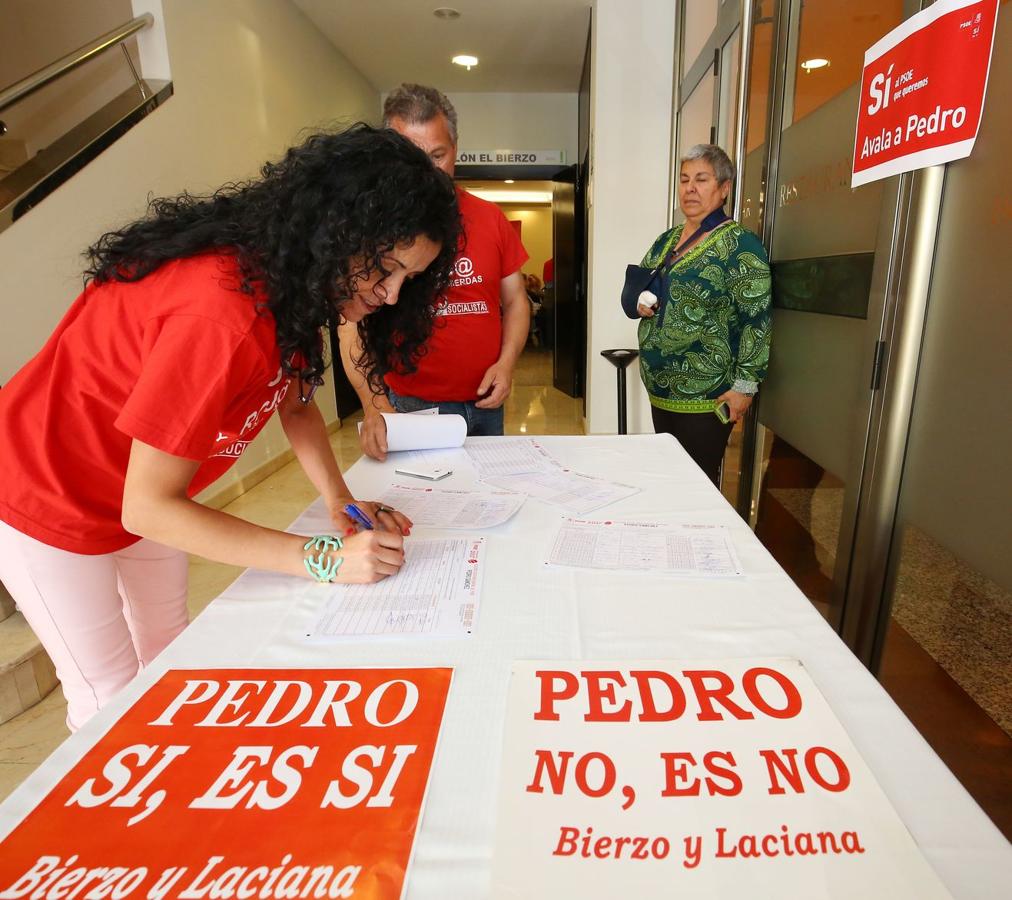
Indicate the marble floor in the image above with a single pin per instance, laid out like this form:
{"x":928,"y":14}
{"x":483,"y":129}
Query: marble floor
{"x":533,"y":408}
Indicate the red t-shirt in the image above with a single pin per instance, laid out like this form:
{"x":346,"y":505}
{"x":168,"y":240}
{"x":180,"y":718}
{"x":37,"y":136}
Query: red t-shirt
{"x":467,"y":335}
{"x":180,"y":360}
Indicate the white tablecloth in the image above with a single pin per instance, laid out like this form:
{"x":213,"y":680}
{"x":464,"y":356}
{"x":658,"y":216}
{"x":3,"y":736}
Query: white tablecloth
{"x":529,"y":611}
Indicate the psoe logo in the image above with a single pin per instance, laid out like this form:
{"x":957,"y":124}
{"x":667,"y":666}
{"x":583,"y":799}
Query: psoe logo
{"x":463,"y":270}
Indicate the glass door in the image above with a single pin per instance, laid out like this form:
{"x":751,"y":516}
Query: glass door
{"x":708,"y":92}
{"x":830,"y":250}
{"x":943,"y":647}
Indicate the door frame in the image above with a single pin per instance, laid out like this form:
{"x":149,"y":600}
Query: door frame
{"x":897,"y":301}
{"x":729,"y":17}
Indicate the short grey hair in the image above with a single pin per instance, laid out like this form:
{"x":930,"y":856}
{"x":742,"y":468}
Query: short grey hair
{"x":418,"y":104}
{"x":716,"y":158}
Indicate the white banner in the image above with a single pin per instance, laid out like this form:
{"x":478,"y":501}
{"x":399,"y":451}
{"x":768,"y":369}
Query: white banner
{"x":727,"y":778}
{"x":511,"y":157}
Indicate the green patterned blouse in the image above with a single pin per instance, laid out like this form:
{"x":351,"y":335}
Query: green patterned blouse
{"x":711,"y":332}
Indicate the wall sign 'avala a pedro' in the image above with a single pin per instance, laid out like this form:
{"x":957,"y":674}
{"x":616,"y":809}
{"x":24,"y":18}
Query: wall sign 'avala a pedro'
{"x":922,"y":91}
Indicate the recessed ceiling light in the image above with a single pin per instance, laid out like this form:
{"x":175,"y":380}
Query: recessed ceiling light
{"x":817,"y":63}
{"x":465,"y":61}
{"x":446,"y":12}
{"x":511,"y":196}
{"x":508,"y":181}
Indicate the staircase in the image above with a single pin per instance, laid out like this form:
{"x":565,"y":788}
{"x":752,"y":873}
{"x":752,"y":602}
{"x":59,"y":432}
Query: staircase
{"x":26,"y":672}
{"x":12,"y":155}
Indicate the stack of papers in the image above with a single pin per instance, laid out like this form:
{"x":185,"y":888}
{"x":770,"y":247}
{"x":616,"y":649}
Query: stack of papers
{"x":574,"y":493}
{"x":704,"y":550}
{"x":511,"y":456}
{"x":442,"y":508}
{"x":524,"y":465}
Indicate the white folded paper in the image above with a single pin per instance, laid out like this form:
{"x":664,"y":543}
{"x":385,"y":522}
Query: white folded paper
{"x":423,"y":432}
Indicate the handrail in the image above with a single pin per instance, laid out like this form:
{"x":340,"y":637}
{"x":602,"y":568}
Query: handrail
{"x":35,"y":81}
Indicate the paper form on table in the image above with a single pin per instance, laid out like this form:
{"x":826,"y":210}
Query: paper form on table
{"x":701,"y":550}
{"x":577,"y":494}
{"x":439,"y":508}
{"x":436,"y":593}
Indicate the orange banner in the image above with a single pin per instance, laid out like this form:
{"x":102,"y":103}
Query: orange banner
{"x":241,"y":783}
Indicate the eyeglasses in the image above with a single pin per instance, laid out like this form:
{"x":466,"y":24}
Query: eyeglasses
{"x":313,"y":383}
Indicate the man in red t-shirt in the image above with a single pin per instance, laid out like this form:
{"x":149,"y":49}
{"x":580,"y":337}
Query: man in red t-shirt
{"x":482,"y":322}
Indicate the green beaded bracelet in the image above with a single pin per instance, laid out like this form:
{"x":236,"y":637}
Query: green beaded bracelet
{"x":322,"y":567}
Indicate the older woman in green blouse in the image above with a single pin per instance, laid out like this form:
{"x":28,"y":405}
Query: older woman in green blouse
{"x":705,"y":330}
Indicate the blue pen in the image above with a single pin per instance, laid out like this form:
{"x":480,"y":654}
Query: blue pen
{"x":358,"y":516}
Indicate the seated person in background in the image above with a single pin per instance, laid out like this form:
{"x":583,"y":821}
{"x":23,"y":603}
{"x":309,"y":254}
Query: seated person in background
{"x":536,"y":295}
{"x":481,"y":324}
{"x":535,"y":291}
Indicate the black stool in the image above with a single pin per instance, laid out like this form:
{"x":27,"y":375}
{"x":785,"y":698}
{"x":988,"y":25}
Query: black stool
{"x":620,"y":359}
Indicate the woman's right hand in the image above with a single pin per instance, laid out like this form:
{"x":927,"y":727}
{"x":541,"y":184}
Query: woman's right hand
{"x":373,"y":436}
{"x":646,"y":312}
{"x":369,"y":556}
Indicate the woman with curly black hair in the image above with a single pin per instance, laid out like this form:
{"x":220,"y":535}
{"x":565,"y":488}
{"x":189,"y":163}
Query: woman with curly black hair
{"x":197,"y":323}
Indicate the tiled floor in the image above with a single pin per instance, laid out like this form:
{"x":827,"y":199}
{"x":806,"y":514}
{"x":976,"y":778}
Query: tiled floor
{"x":532,"y":408}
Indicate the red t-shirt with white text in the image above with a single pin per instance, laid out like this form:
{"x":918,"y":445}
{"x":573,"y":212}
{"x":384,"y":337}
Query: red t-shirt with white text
{"x":467,"y":334}
{"x":181,"y":360}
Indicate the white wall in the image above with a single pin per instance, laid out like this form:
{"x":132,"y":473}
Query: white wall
{"x":249,"y":76}
{"x":517,"y":122}
{"x":633,"y":45}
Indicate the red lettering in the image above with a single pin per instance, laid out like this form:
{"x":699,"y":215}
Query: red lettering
{"x":749,"y":683}
{"x":556,"y":773}
{"x":567,"y":841}
{"x":596,"y":693}
{"x":720,"y":693}
{"x":733,"y":787}
{"x":842,"y":772}
{"x":650,"y":712}
{"x":607,"y":774}
{"x":549,"y":693}
{"x":675,"y":771}
{"x":789,"y":770}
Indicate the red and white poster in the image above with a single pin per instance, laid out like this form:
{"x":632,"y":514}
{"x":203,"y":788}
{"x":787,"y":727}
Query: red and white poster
{"x":922,"y":91}
{"x":237,"y":783}
{"x":727,"y":778}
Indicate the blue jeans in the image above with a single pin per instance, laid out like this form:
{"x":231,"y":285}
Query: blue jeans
{"x":480,"y":422}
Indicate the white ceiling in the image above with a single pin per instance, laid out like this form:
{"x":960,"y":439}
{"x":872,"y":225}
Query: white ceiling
{"x":522,"y":45}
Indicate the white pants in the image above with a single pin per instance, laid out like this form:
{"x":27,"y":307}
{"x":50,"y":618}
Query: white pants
{"x":101,"y":618}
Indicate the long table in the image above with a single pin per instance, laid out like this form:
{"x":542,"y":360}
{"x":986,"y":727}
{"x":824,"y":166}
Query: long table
{"x":530,"y":612}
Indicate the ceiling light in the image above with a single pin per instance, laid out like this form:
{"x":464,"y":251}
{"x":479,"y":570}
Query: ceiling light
{"x":508,"y":181}
{"x":446,"y":12}
{"x":504,"y":196}
{"x":817,"y":63}
{"x":465,"y":61}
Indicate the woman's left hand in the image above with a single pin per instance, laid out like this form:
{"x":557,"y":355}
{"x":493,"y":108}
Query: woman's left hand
{"x":737,"y":403}
{"x":384,"y":518}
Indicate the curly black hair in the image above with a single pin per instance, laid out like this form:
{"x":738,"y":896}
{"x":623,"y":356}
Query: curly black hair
{"x":314,"y":226}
